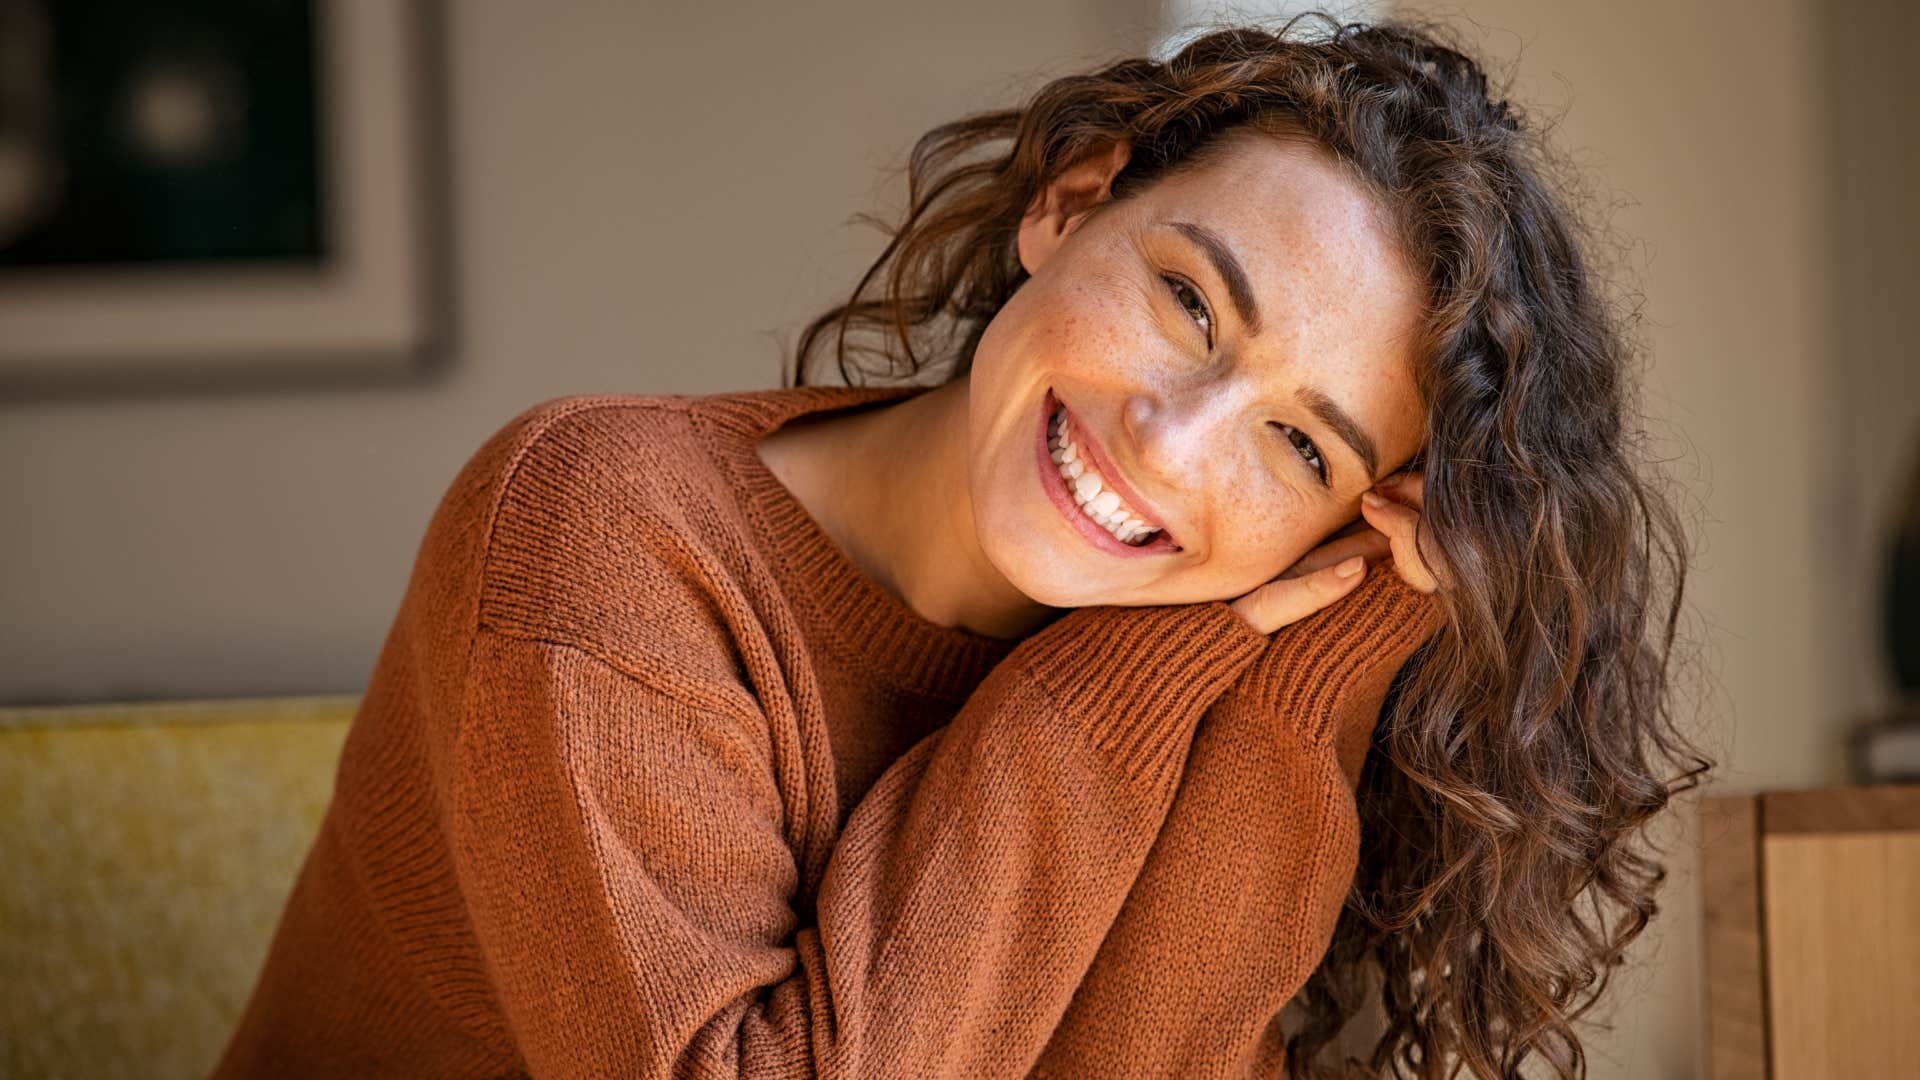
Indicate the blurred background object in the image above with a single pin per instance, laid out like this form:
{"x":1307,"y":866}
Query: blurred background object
{"x":1887,"y":749}
{"x":650,"y":199}
{"x":1903,"y":587}
{"x":240,"y":191}
{"x":148,"y":850}
{"x":1812,"y":946}
{"x":147,"y":132}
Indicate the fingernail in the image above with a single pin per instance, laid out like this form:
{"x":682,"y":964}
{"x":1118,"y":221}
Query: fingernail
{"x":1351,"y":566}
{"x":1374,"y":499}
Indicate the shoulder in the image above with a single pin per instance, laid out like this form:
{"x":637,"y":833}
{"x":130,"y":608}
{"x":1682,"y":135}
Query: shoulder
{"x":600,"y":521}
{"x":576,"y":427}
{"x":578,"y":460}
{"x":582,"y":424}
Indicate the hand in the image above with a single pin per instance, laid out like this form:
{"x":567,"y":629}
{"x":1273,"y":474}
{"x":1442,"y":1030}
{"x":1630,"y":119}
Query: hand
{"x":1322,"y":575}
{"x":1316,"y":581}
{"x":1393,"y":507}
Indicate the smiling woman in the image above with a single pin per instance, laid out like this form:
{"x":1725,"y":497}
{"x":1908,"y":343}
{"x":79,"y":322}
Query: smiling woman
{"x":1300,"y":296}
{"x":1047,"y":721}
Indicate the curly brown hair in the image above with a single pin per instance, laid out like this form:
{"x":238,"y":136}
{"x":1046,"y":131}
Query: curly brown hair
{"x":1524,"y":749}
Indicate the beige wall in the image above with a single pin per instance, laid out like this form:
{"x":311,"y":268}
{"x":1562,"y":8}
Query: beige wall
{"x":641,"y":193}
{"x":1870,"y":365}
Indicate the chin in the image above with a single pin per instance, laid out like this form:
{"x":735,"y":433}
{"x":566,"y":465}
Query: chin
{"x":1025,"y":568}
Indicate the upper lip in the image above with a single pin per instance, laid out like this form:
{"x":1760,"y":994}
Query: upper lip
{"x":1110,"y":473}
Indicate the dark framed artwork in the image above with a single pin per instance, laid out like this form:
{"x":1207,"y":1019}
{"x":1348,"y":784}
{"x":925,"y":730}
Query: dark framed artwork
{"x":196,"y":190}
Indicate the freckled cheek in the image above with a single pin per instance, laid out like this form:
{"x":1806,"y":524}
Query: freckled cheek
{"x":1263,"y":528}
{"x":1091,"y":332}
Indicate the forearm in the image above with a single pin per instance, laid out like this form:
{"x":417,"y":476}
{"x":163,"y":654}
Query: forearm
{"x":1239,"y":896}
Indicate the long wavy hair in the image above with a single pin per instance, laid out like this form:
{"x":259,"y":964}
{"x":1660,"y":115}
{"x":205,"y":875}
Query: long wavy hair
{"x":1524,"y":748}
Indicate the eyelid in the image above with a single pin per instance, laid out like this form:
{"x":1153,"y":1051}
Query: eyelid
{"x":1174,"y":278}
{"x":1324,"y":473}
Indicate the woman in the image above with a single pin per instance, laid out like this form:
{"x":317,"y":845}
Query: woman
{"x":1022,"y":725}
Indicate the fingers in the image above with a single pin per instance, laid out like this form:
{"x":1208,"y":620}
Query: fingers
{"x":1405,"y":488}
{"x":1388,"y":527}
{"x":1283,"y":601}
{"x":1357,"y":525}
{"x":1371,"y":545}
{"x":1401,"y":525}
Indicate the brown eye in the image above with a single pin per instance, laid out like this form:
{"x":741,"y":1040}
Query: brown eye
{"x":1308,"y":451}
{"x":1189,"y":300}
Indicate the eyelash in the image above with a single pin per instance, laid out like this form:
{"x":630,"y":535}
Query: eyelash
{"x":1176,"y":285}
{"x":1309,"y":453}
{"x":1318,"y":462}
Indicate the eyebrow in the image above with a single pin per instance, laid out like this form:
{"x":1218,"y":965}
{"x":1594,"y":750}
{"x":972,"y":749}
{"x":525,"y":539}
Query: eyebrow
{"x":1239,"y":289}
{"x":1343,"y":425}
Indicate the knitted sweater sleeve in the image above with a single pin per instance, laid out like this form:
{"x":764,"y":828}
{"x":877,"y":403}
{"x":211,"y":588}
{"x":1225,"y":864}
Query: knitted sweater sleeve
{"x":1238,"y":899}
{"x":625,"y":847}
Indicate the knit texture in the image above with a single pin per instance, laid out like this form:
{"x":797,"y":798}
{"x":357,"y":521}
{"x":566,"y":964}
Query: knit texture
{"x":651,"y":780}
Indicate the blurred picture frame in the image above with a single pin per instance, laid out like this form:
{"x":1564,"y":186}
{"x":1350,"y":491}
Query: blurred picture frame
{"x":355,"y":289}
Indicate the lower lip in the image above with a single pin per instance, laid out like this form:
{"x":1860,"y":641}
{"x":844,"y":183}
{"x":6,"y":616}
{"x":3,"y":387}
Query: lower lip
{"x":1056,"y":488}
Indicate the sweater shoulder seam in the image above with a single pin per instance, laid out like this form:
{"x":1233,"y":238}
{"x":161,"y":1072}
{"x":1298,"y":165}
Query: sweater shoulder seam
{"x":556,"y":410}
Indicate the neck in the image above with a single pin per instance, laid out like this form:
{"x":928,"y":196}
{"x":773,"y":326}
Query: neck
{"x":901,"y":487}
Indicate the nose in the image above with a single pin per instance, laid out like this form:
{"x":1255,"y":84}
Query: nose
{"x":1181,"y":435}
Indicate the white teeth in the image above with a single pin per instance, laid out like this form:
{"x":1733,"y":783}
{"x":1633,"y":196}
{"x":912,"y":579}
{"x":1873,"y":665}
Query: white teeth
{"x":1088,"y":492}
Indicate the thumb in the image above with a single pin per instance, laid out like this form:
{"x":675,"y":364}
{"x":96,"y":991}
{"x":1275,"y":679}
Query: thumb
{"x":1283,"y":601}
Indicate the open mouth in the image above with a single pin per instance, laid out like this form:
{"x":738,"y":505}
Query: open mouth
{"x":1083,"y":493}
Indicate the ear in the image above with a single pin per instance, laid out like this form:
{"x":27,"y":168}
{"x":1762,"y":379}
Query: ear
{"x":1065,"y":202}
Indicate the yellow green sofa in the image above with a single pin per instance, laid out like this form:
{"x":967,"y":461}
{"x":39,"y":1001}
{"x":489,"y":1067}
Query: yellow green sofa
{"x":146,"y":851}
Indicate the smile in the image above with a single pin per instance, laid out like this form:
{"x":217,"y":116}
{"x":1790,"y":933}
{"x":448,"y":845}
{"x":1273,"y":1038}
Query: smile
{"x":1091,"y":497}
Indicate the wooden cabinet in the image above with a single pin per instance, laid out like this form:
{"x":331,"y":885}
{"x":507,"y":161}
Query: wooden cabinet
{"x":1812,"y":935}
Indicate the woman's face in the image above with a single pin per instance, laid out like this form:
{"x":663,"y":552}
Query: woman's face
{"x":1222,"y":340}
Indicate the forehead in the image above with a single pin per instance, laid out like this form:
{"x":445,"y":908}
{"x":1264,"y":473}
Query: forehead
{"x":1318,"y":249}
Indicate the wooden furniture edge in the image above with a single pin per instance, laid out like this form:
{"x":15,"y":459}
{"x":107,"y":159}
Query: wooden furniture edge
{"x":1738,"y":1039}
{"x":1870,"y":808}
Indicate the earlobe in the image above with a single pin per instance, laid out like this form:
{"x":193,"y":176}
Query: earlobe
{"x":1066,"y":201}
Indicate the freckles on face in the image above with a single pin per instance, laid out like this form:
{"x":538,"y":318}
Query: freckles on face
{"x":1255,"y":533}
{"x":1097,"y":318}
{"x":1217,"y":419}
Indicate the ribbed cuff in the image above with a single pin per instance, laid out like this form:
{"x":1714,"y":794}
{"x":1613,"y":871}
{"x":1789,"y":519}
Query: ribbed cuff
{"x":1138,"y":677}
{"x":1313,"y":663}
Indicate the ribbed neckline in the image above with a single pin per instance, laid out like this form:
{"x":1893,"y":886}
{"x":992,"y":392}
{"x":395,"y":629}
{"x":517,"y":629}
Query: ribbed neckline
{"x":894,"y":643}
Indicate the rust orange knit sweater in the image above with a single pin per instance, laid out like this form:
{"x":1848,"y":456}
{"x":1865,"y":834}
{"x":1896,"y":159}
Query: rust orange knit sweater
{"x":651,"y":781}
